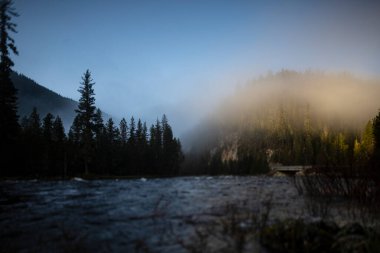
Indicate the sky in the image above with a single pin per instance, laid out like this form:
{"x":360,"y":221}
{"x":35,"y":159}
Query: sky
{"x":180,"y":57}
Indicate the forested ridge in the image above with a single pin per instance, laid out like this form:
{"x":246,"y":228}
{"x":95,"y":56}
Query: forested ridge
{"x":31,"y":94}
{"x":289,"y":118}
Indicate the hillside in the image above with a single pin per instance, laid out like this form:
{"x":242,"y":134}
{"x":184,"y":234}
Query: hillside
{"x":31,"y":94}
{"x":288,"y":118}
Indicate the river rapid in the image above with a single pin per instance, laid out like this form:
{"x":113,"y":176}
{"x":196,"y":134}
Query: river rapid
{"x":139,"y":215}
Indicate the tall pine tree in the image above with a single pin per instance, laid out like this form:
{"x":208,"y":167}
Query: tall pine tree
{"x":86,"y":115}
{"x":123,"y":132}
{"x":9,"y":127}
{"x":171,"y":149}
{"x":58,"y":131}
{"x":33,"y":143}
{"x":59,"y":148}
{"x":98,"y":125}
{"x":47,"y":134}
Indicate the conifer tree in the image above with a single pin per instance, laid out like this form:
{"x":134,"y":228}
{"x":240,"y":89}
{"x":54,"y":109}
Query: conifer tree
{"x":98,"y":124}
{"x":123,"y":132}
{"x":58,"y":130}
{"x":100,"y":140}
{"x":131,"y":148}
{"x":9,"y":127}
{"x":155,"y":145}
{"x":112,"y":132}
{"x":376,"y":137}
{"x":33,"y":142}
{"x":123,"y":151}
{"x":139,"y":133}
{"x":158,"y":136}
{"x":167,"y":134}
{"x":141,"y":148}
{"x":111,"y":147}
{"x":59,"y":155}
{"x":47,"y":134}
{"x":75,"y":131}
{"x":132,"y":132}
{"x":86,"y":114}
{"x":171,"y":149}
{"x":145,"y":134}
{"x":34,"y":123}
{"x":47,"y":127}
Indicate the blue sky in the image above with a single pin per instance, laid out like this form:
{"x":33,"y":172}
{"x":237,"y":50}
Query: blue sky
{"x":180,"y":57}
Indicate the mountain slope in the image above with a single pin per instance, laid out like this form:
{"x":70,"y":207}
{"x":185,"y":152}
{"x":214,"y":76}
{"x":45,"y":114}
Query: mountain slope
{"x":289,"y":118}
{"x":31,"y":94}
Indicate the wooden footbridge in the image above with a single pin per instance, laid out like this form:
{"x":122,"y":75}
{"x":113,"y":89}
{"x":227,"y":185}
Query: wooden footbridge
{"x":289,"y":170}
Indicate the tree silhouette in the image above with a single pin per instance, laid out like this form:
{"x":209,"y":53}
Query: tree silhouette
{"x":75,"y":131}
{"x":155,"y":144}
{"x":98,"y":124}
{"x":123,"y":132}
{"x":33,"y":143}
{"x":100,"y":163}
{"x":86,"y":115}
{"x":132,"y":132}
{"x":131,"y":150}
{"x":47,"y":134}
{"x":112,"y":132}
{"x":58,"y":131}
{"x":376,"y":135}
{"x":111,"y":147}
{"x":171,"y":149}
{"x":141,"y":147}
{"x":9,"y":127}
{"x":59,"y":152}
{"x":47,"y":127}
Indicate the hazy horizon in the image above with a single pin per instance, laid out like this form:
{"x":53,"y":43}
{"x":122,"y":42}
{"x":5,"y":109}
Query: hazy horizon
{"x":180,"y":58}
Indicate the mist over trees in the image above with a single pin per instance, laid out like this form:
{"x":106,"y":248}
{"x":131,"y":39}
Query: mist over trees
{"x":288,"y":118}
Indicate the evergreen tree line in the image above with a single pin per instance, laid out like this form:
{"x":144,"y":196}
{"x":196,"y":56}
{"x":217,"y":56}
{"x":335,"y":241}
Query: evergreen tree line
{"x":124,"y":149}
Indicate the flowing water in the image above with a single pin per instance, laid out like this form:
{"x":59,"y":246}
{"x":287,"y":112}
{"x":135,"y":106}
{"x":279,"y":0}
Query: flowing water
{"x":146,"y":215}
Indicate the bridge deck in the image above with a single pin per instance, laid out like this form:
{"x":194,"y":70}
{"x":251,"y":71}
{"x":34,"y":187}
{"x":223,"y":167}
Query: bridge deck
{"x":293,"y":168}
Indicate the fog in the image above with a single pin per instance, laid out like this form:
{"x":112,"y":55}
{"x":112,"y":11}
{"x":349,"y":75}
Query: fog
{"x":181,"y":58}
{"x":335,"y":100}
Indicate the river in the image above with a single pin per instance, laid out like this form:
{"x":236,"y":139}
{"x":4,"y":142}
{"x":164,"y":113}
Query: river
{"x":139,"y":215}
